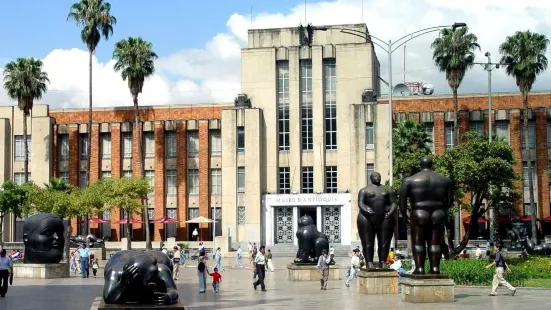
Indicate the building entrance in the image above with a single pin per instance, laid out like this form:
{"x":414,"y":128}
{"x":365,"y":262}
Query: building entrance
{"x":311,"y":211}
{"x":284,"y":225}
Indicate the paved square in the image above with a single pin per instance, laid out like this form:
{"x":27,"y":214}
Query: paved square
{"x":237,"y":293}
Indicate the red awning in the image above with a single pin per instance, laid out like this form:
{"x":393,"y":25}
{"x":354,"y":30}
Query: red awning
{"x":164,"y":220}
{"x":481,"y":219}
{"x":526,"y":218}
{"x":503,"y":219}
{"x":547,"y":219}
{"x":95,"y":220}
{"x":127,"y":221}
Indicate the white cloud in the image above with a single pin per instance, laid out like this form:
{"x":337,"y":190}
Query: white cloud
{"x":212,"y":73}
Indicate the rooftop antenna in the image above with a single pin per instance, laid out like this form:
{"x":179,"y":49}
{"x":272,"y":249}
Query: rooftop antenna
{"x":251,"y":16}
{"x":305,"y":20}
{"x":362,"y":11}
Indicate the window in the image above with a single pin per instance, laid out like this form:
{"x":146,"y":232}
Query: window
{"x":171,"y":229}
{"x":549,"y":134}
{"x":149,"y":144}
{"x":20,"y":148}
{"x":83,"y":179}
{"x":330,"y":87}
{"x":527,"y":210}
{"x":127,"y":174}
{"x":193,"y":181}
{"x":240,"y":216}
{"x":477,"y":127}
{"x":531,"y":135}
{"x":240,"y":139}
{"x":307,"y":180}
{"x":127,"y":144}
{"x":284,"y":180}
{"x":215,"y":143}
{"x":331,"y":179}
{"x":502,"y":130}
{"x":19,"y":177}
{"x":83,"y":144}
{"x":369,"y":136}
{"x":306,"y":104}
{"x":370,"y":170}
{"x":192,"y":144}
{"x":106,"y":174}
{"x":150,"y":176}
{"x":105,"y":145}
{"x":216,"y":214}
{"x":192,"y":213}
{"x":215,"y":181}
{"x":240,"y":179}
{"x":170,"y":142}
{"x":449,"y":135}
{"x":63,"y":143}
{"x":525,"y":180}
{"x":429,"y":130}
{"x":283,"y":104}
{"x":171,"y":182}
{"x":64,"y":176}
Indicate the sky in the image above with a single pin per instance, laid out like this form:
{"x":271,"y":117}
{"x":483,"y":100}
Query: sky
{"x":199,"y":43}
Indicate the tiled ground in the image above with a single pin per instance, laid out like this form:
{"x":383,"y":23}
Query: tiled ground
{"x":237,"y":293}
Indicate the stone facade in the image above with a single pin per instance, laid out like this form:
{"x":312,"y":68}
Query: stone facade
{"x":41,"y":271}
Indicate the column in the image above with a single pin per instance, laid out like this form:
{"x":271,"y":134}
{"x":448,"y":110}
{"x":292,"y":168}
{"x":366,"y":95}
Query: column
{"x":94,"y":157}
{"x":464,"y":122}
{"x":295,"y":225}
{"x":204,"y":174}
{"x":136,"y":165}
{"x":115,"y":174}
{"x":55,"y":157}
{"x":319,"y":215}
{"x":73,"y":165}
{"x":318,"y":119}
{"x":295,"y":127}
{"x":181,"y":178}
{"x":439,"y":133}
{"x":515,"y":125}
{"x":542,"y":162}
{"x":159,"y":179}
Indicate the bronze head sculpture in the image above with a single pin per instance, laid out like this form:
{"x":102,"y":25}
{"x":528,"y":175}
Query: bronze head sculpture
{"x":43,"y":236}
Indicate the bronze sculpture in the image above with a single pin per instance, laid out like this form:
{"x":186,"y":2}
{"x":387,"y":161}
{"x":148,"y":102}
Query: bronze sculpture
{"x":543,"y":249}
{"x":43,"y":236}
{"x":139,"y":277}
{"x":517,"y":233}
{"x":430,"y":195}
{"x":377,"y":204}
{"x":311,"y":242}
{"x":89,"y":240}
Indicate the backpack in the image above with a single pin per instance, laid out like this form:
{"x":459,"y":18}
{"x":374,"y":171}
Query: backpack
{"x":201,"y":267}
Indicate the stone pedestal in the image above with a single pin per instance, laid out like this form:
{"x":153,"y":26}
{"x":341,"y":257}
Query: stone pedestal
{"x":377,"y":281}
{"x":99,"y":304}
{"x":41,"y":271}
{"x":309,"y":272}
{"x":427,"y":288}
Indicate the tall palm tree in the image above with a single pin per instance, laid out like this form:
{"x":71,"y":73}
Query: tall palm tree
{"x":453,"y":53}
{"x":524,"y":57}
{"x":58,"y":184}
{"x":135,"y":60}
{"x":25,"y":81}
{"x":94,"y":16}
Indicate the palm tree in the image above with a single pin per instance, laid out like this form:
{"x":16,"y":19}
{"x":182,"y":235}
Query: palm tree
{"x":58,"y":184}
{"x":135,"y":60}
{"x":524,"y":59}
{"x":25,"y":81}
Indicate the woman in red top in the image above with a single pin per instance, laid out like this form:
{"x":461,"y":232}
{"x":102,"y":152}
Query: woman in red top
{"x":216,"y":279}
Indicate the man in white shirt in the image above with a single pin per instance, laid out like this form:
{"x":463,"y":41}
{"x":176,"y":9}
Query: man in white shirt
{"x":194,"y":234}
{"x":239,"y":257}
{"x":354,"y":267}
{"x":6,"y":267}
{"x":260,"y":265}
{"x":176,"y":263}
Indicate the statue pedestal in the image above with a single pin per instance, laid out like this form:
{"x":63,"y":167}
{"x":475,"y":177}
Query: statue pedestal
{"x":377,"y":281}
{"x":309,"y":272}
{"x":427,"y":288}
{"x":99,"y":304}
{"x":41,"y":271}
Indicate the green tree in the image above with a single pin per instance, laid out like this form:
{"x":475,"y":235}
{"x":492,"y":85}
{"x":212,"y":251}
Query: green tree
{"x":58,"y":184}
{"x":12,"y":199}
{"x":127,"y":195}
{"x":477,"y":166}
{"x":94,"y":16}
{"x":25,"y":81}
{"x":524,"y":57}
{"x":135,"y":60}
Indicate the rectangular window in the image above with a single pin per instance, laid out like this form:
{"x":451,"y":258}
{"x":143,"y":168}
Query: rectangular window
{"x":549,"y":133}
{"x":83,"y":145}
{"x":283,"y":104}
{"x":192,"y":144}
{"x":449,"y":135}
{"x":83,"y":179}
{"x":170,"y":143}
{"x":106,"y":174}
{"x":64,"y":176}
{"x":192,"y":213}
{"x":531,"y":135}
{"x":525,"y":179}
{"x":370,"y":170}
{"x":150,"y":176}
{"x":127,"y":174}
{"x":308,"y":180}
{"x":216,"y":214}
{"x":527,"y":210}
{"x":477,"y":127}
{"x":19,"y":178}
{"x":193,"y":181}
{"x":240,"y":216}
{"x":63,"y":143}
{"x":127,"y":144}
{"x":429,"y":129}
{"x":215,"y":143}
{"x":20,"y":148}
{"x":171,"y":229}
{"x":240,"y":139}
{"x":331,"y":179}
{"x":149,"y":144}
{"x":330,"y":88}
{"x":284,"y":180}
{"x":306,"y":104}
{"x":105,"y":145}
{"x":171,"y":182}
{"x":502,"y":130}
{"x":215,"y":181}
{"x":369,"y":136}
{"x":240,"y":179}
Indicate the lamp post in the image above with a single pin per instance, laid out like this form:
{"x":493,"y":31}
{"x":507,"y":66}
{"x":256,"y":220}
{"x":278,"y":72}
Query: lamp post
{"x":390,"y":47}
{"x":214,"y":227}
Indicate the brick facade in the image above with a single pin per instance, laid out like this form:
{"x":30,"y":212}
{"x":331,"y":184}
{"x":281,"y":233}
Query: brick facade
{"x":160,"y":191}
{"x":181,"y":179}
{"x":204,"y":175}
{"x":115,"y":174}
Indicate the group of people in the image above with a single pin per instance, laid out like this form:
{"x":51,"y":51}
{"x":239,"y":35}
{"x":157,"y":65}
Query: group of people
{"x":82,"y":259}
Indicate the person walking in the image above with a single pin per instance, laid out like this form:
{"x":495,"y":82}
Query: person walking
{"x":323,"y":267}
{"x":195,"y":234}
{"x":84,"y":254}
{"x":251,"y":259}
{"x":239,"y":257}
{"x":354,"y":267}
{"x":216,"y":279}
{"x":218,"y":260}
{"x":176,"y":263}
{"x":95,"y":267}
{"x":500,"y":264}
{"x":202,"y":275}
{"x":332,"y":253}
{"x":260,"y":267}
{"x":6,"y":267}
{"x":269,"y":258}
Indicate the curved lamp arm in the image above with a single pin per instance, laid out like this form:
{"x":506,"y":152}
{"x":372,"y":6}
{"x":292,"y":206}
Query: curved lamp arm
{"x":365,"y":36}
{"x":454,"y":26}
{"x":411,"y":38}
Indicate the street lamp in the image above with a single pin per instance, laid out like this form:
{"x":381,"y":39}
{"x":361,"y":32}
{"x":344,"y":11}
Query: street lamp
{"x":390,"y":47}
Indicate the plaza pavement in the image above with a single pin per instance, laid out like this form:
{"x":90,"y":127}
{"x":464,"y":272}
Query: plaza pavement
{"x":237,"y":293}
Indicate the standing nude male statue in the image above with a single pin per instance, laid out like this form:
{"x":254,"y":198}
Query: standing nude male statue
{"x":430,"y":194}
{"x":377,"y":205}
